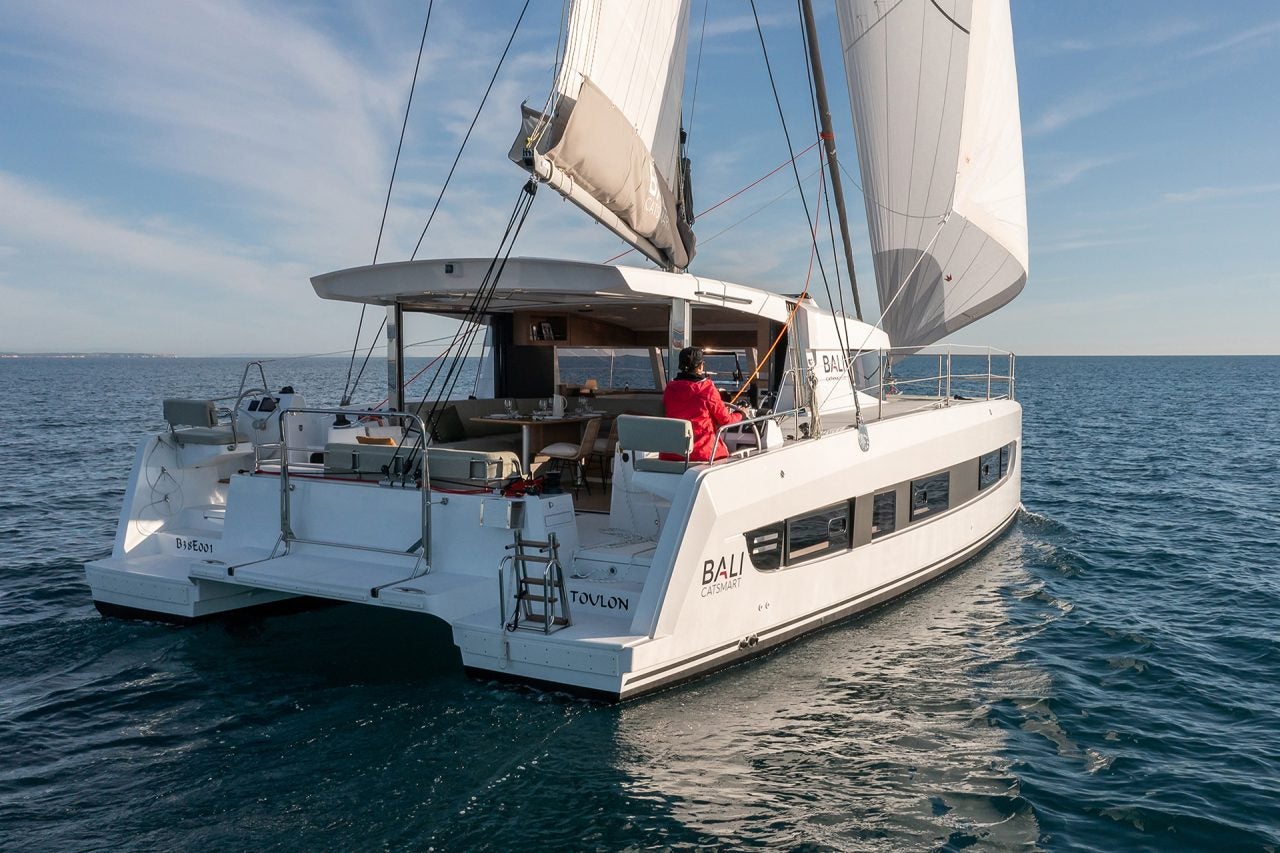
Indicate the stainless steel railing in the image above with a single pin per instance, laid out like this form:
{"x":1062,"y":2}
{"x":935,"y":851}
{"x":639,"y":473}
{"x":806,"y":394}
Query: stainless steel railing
{"x":287,"y":535}
{"x":961,"y":372}
{"x":245,"y":392}
{"x":753,"y":422}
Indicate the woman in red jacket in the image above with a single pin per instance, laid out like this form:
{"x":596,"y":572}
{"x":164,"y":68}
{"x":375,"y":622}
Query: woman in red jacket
{"x":693,"y":397}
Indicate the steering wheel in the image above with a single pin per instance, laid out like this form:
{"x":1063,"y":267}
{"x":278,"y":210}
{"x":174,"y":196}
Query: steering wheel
{"x":754,"y":426}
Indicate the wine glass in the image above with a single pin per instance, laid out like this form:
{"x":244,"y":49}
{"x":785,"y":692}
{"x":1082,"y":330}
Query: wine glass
{"x":542,"y":406}
{"x":510,"y":406}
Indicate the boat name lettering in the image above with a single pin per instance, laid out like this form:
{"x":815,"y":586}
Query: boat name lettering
{"x":596,"y":599}
{"x":194,"y":545}
{"x":834,"y":364}
{"x":724,"y":574}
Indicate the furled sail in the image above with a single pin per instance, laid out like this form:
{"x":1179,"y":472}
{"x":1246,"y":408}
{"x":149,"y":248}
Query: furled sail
{"x":935,"y":109}
{"x":610,"y":140}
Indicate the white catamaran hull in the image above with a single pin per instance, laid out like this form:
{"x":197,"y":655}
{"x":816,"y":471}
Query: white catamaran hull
{"x":853,"y":480}
{"x":201,"y":535}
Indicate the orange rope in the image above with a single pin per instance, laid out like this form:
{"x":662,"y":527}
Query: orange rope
{"x":813,"y":249}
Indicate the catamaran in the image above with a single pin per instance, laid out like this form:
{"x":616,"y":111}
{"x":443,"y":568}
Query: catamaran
{"x":857,"y":477}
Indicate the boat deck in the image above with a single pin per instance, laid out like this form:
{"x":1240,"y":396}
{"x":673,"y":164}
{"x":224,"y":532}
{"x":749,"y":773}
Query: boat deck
{"x":894,"y":406}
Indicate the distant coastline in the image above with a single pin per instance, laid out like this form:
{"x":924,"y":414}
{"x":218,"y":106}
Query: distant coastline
{"x":85,"y":355}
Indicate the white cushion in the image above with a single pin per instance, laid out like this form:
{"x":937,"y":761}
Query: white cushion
{"x":562,"y":449}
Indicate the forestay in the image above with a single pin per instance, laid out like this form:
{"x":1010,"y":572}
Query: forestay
{"x":610,"y":140}
{"x":935,"y":107}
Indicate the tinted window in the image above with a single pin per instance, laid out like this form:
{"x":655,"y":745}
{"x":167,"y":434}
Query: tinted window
{"x":764,"y":546}
{"x":1006,"y":456}
{"x":990,"y":468}
{"x":884,"y":513}
{"x":611,"y":368}
{"x":818,"y":533}
{"x":930,"y":495}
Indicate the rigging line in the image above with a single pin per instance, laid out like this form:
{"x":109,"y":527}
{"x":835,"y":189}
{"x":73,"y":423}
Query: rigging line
{"x":760,"y":209}
{"x":873,"y":25}
{"x":918,"y":134}
{"x":817,"y":130}
{"x":835,"y":256}
{"x":428,"y":341}
{"x":386,"y":204}
{"x":901,"y":287}
{"x":411,"y":379}
{"x":472,"y":127}
{"x":482,"y":298}
{"x":367,"y":355}
{"x":567,"y":39}
{"x":730,"y":198}
{"x":347,"y":391}
{"x":762,"y":361}
{"x":978,"y":291}
{"x":937,"y":143}
{"x":779,"y":168}
{"x":561,"y":43}
{"x":885,"y":207}
{"x":924,"y":254}
{"x":459,"y":336}
{"x":809,"y":220}
{"x":697,"y":69}
{"x":479,"y":304}
{"x":374,"y":343}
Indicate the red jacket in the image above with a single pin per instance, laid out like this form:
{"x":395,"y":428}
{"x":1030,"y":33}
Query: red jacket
{"x":699,"y":403}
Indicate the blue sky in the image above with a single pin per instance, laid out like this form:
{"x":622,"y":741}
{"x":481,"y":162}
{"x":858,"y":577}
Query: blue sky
{"x":171,"y":174}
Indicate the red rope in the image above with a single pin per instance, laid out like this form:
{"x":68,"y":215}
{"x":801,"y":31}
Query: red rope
{"x":735,"y":195}
{"x":416,"y":375}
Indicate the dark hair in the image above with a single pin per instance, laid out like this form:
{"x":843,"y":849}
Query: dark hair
{"x":690,"y":359}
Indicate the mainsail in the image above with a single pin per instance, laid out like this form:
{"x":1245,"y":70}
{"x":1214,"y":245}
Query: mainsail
{"x":610,"y":140}
{"x":935,"y":108}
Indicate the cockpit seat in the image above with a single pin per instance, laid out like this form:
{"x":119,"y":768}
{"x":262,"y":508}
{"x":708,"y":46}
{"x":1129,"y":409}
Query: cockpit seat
{"x":642,"y":437}
{"x":196,"y":422}
{"x":449,"y":467}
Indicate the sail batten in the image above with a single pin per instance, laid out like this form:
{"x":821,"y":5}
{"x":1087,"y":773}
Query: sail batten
{"x":934,"y":95}
{"x":611,"y":143}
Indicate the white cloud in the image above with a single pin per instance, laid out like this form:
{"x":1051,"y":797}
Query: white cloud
{"x":55,"y":226}
{"x":1214,"y":193}
{"x":1085,"y":104}
{"x":1251,"y":36}
{"x":737,"y":25}
{"x":1061,"y":173}
{"x":285,"y":133}
{"x":1158,"y":33}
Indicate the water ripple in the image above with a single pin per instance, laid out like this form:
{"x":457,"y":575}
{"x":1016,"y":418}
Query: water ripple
{"x":1102,"y":678}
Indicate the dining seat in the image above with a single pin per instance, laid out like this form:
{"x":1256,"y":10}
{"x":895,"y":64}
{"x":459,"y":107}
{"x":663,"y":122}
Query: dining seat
{"x":603,"y":449}
{"x":566,"y":452}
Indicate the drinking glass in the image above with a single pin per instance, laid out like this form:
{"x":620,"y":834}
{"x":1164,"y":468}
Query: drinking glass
{"x":510,"y":406}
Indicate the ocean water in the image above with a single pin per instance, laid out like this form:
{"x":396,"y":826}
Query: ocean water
{"x":1103,"y":677}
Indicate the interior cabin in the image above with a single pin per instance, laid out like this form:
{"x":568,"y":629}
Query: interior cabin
{"x":605,"y":339}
